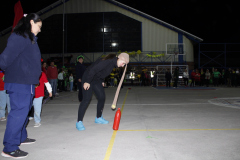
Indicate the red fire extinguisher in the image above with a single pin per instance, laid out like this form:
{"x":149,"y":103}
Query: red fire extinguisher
{"x":117,"y":119}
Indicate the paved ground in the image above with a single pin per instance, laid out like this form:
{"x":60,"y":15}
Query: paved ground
{"x":156,"y":124}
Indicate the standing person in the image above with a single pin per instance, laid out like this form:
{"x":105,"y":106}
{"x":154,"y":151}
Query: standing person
{"x":80,"y":69}
{"x":39,"y":94}
{"x":168,"y":77}
{"x":197,"y":77}
{"x":112,"y":79}
{"x":193,"y":78}
{"x":229,"y":77}
{"x":71,"y":82}
{"x":143,"y":78}
{"x":202,"y":77}
{"x":44,"y":67}
{"x":4,"y":98}
{"x":176,"y":77}
{"x":207,"y":77}
{"x":216,"y":75}
{"x":61,"y":85}
{"x":93,"y":81}
{"x":237,"y":77}
{"x":52,"y":75}
{"x":154,"y":78}
{"x":233,"y":78}
{"x":148,"y":77}
{"x":185,"y":77}
{"x":21,"y":61}
{"x":223,"y":77}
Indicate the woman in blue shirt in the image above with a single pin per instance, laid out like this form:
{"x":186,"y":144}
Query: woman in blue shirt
{"x":21,"y":61}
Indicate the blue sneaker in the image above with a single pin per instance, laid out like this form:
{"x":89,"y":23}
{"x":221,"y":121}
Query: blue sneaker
{"x":80,"y":126}
{"x":101,"y":120}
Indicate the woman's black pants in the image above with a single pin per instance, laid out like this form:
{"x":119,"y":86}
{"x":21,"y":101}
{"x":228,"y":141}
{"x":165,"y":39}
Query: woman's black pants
{"x":97,"y":88}
{"x":80,"y":96}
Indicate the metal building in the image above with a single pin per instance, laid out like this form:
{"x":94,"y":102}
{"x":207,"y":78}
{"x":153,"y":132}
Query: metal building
{"x":143,"y":32}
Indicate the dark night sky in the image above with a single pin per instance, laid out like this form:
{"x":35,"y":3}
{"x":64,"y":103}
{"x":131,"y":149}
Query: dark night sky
{"x":213,"y":21}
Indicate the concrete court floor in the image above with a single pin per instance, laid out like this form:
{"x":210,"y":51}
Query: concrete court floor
{"x":156,"y":124}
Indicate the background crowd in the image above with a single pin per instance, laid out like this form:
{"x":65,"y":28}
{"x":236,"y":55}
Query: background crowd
{"x":214,"y":77}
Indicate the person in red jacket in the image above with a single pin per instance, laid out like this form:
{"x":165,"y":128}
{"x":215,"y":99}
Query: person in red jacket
{"x":44,"y":66}
{"x":197,"y":78}
{"x":39,"y":94}
{"x":193,"y":78}
{"x":52,"y":75}
{"x":4,"y":98}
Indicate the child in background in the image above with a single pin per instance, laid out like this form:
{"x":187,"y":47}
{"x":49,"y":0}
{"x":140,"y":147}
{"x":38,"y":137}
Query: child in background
{"x":39,"y":94}
{"x":4,"y":98}
{"x":61,"y":85}
{"x":71,"y":82}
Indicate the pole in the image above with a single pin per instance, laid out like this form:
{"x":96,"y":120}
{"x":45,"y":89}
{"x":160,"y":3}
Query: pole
{"x":103,"y":33}
{"x":63,"y":30}
{"x":171,"y":64}
{"x":199,"y":50}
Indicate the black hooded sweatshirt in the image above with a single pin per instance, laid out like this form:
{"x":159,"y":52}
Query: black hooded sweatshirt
{"x":80,"y":68}
{"x":99,"y":70}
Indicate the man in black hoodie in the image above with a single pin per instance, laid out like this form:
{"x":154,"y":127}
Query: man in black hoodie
{"x":168,"y":77}
{"x":176,"y":76}
{"x":80,"y":68}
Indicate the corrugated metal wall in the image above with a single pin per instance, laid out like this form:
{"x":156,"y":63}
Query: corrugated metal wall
{"x":188,"y":49}
{"x":154,"y":36}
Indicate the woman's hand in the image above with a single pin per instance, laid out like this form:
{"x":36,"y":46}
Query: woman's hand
{"x":86,"y":86}
{"x":103,"y":84}
{"x":50,"y":94}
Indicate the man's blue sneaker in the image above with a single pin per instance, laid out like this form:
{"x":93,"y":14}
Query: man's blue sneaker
{"x":80,"y":126}
{"x":101,"y":120}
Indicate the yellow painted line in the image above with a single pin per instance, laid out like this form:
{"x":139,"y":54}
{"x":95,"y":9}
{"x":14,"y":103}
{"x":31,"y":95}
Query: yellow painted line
{"x":110,"y":145}
{"x":179,"y":129}
{"x":124,"y":101}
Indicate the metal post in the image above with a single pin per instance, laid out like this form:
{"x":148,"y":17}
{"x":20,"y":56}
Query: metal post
{"x":225,"y":56}
{"x":199,"y":55}
{"x":63,"y":31}
{"x":103,"y":33}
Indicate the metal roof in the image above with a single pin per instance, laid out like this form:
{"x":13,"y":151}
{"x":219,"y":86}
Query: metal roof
{"x":165,"y":24}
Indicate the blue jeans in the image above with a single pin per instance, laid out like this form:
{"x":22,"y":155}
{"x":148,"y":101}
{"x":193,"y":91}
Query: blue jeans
{"x":53,"y":83}
{"x":21,"y":104}
{"x":37,"y":103}
{"x":4,"y":100}
{"x":112,"y":82}
{"x":71,"y":86}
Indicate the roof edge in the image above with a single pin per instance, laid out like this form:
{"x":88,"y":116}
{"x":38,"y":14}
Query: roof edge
{"x":187,"y":34}
{"x":41,"y":12}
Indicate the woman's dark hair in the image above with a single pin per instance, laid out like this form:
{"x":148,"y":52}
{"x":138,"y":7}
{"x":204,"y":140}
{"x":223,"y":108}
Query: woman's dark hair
{"x":24,"y":27}
{"x":109,"y":56}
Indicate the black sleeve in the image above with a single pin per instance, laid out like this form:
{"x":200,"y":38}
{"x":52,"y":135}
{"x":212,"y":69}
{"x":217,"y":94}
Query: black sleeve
{"x":95,"y":69}
{"x":82,"y":70}
{"x":78,"y":72}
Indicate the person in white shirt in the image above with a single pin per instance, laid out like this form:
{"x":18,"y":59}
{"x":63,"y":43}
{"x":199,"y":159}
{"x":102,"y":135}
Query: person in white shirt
{"x":71,"y":82}
{"x":61,"y":81}
{"x":185,"y":77}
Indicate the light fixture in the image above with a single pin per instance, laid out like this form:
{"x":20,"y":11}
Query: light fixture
{"x":104,"y":29}
{"x":114,"y":44}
